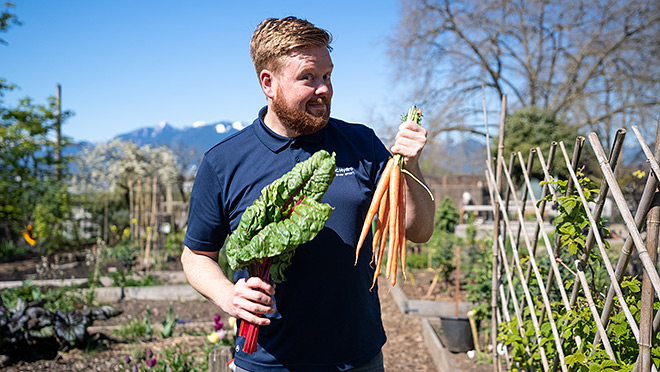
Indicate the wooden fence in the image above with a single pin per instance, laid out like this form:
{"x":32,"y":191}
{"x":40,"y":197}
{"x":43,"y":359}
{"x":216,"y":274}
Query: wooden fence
{"x":519,"y":277}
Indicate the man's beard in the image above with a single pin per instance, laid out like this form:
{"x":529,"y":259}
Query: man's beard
{"x":300,"y":121}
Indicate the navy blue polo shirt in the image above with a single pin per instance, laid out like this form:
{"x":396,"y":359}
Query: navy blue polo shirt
{"x":327,"y":318}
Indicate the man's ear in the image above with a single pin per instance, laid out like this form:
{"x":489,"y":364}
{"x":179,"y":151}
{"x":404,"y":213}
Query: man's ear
{"x":267,"y":80}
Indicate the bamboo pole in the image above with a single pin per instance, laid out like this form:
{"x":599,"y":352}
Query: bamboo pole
{"x":458,"y":278}
{"x":58,"y":133}
{"x":577,"y":152}
{"x":528,"y":297}
{"x":151,"y":223}
{"x":646,"y":307}
{"x":131,"y":214}
{"x":600,"y":203}
{"x":507,"y":195}
{"x":503,"y":296}
{"x":601,"y":247}
{"x":142,"y":223}
{"x":511,"y":293}
{"x":495,"y":268}
{"x":656,"y":327}
{"x":652,"y":179}
{"x":539,"y":279}
{"x":614,"y":155}
{"x":625,"y":213}
{"x":544,"y":192}
{"x":624,"y":258}
{"x":594,"y":311}
{"x":546,"y":239}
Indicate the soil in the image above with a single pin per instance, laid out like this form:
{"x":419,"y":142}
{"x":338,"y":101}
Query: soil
{"x":418,"y":282}
{"x":404,"y":350}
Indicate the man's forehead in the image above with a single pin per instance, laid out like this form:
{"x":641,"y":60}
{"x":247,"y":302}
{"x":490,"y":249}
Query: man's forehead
{"x":308,"y":58}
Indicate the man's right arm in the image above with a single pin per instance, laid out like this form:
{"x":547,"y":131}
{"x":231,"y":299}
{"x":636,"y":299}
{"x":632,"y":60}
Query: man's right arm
{"x":247,"y":299}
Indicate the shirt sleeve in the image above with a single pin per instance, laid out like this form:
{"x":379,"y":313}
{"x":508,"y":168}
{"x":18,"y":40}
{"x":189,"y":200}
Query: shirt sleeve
{"x":207,"y":228}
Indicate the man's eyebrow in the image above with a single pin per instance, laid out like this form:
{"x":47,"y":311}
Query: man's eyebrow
{"x":308,"y":68}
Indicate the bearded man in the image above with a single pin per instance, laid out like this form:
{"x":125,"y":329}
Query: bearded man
{"x":324,"y":317}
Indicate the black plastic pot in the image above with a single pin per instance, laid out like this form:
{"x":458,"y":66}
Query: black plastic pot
{"x":456,"y":334}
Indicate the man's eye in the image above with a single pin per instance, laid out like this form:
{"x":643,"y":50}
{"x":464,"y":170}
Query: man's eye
{"x":326,"y":77}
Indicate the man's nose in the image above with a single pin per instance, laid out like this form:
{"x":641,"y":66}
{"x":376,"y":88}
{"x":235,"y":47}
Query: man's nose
{"x":323,"y":88}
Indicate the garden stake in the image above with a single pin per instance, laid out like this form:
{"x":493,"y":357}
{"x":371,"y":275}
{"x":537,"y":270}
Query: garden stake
{"x":594,"y":311}
{"x":507,"y":273}
{"x":646,"y":304}
{"x":640,"y":215}
{"x":597,"y":211}
{"x":544,"y":193}
{"x":495,"y":278}
{"x":473,"y":327}
{"x":539,"y":278}
{"x":614,"y":155}
{"x":553,"y":262}
{"x":512,"y":291}
{"x":644,"y":205}
{"x":625,"y":212}
{"x":530,"y":302}
{"x":601,"y":247}
{"x":577,"y":152}
{"x":507,"y":195}
{"x":458,"y":276}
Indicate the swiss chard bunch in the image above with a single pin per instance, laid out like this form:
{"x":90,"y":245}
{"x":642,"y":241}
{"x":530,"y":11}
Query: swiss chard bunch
{"x":288,"y":213}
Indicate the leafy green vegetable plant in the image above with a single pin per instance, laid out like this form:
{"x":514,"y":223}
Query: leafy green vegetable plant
{"x":287,"y":213}
{"x":27,"y":325}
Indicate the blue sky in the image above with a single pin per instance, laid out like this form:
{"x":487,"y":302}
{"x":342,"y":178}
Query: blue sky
{"x":130,"y":64}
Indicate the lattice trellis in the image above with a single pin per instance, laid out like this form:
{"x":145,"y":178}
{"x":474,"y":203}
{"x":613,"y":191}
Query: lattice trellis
{"x":510,"y":239}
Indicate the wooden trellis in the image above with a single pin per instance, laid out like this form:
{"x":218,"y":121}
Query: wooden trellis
{"x":513,"y":278}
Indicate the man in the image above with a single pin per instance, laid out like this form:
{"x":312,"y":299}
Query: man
{"x":323,"y":317}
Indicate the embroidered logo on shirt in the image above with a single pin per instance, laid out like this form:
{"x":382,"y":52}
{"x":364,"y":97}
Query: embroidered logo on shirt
{"x":344,"y":171}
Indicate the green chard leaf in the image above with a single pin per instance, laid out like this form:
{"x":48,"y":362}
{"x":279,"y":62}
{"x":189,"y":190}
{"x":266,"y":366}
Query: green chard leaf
{"x":288,"y":213}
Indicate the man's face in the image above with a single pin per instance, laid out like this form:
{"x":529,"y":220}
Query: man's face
{"x":304,"y":91}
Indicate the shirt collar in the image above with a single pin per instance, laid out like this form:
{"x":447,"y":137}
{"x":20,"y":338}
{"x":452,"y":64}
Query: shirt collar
{"x":274,"y":141}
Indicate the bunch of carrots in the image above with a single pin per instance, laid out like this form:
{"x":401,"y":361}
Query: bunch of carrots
{"x":389,"y":207}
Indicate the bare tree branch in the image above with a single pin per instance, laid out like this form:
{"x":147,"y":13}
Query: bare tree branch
{"x":591,"y":62}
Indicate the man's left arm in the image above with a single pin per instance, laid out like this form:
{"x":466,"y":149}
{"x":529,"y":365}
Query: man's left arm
{"x":420,"y":208}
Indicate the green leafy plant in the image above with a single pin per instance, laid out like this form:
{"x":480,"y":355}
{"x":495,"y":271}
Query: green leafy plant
{"x":29,"y":326}
{"x":478,"y":284}
{"x":67,"y":298}
{"x":9,"y":250}
{"x":132,"y":331}
{"x":577,"y":326}
{"x":446,"y":217}
{"x":126,"y":279}
{"x":169,"y":322}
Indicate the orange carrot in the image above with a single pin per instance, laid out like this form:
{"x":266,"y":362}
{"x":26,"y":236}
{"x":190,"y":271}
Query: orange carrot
{"x":382,"y":210}
{"x":393,"y":222}
{"x":371,"y":212}
{"x":381,"y":250}
{"x":402,"y":226}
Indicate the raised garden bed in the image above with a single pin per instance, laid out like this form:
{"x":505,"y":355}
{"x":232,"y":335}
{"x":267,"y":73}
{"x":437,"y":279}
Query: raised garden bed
{"x":430,"y":309}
